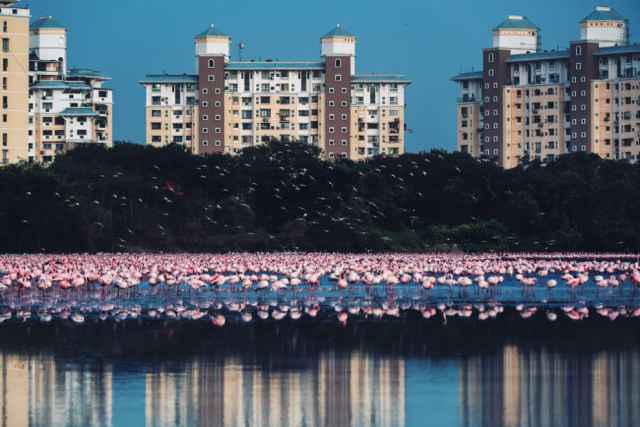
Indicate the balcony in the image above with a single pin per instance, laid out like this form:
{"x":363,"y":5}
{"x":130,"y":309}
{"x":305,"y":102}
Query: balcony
{"x":467,"y":98}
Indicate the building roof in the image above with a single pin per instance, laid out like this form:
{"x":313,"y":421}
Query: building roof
{"x":61,"y":84}
{"x":618,"y":50}
{"x":212,"y":31}
{"x":380,"y":78}
{"x":603,"y":13}
{"x":516,"y":22}
{"x":473,"y":75}
{"x":338,"y":31}
{"x":274,"y":65}
{"x":78,"y":112}
{"x":170,"y":78}
{"x":547,"y":55}
{"x":86,"y":73}
{"x":46,"y":22}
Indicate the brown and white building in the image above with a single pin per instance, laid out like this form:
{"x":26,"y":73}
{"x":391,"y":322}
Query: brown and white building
{"x":230,"y":105}
{"x":47,"y":108}
{"x":533,"y":104}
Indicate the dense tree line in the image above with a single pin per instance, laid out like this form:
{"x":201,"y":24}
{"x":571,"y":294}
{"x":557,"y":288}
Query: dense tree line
{"x":284,"y":197}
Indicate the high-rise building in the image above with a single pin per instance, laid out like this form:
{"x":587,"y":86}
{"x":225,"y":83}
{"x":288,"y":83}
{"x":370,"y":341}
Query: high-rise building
{"x":230,"y":105}
{"x":15,"y":82}
{"x":67,"y":107}
{"x":47,"y":108}
{"x":533,"y":104}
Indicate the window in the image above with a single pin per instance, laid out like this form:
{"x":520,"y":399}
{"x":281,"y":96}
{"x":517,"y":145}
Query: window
{"x":205,"y":117}
{"x":218,"y":142}
{"x":578,"y":66}
{"x":578,"y":50}
{"x":338,"y":63}
{"x":343,"y":117}
{"x":338,"y":77}
{"x":5,"y":64}
{"x":491,"y":72}
{"x":212,"y":64}
{"x":217,"y":117}
{"x":205,"y":130}
{"x":205,"y":104}
{"x":343,"y":142}
{"x":332,"y":90}
{"x":332,"y":103}
{"x":211,"y":78}
{"x":332,"y":142}
{"x":205,"y":142}
{"x":205,"y":91}
{"x":218,"y":130}
{"x":491,"y":57}
{"x":332,"y":116}
{"x":156,"y":125}
{"x":332,"y":130}
{"x":5,"y":27}
{"x":5,"y":45}
{"x":4,"y":83}
{"x":156,"y":113}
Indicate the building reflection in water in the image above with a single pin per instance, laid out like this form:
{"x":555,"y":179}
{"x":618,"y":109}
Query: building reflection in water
{"x":35,"y":390}
{"x":334,"y":390}
{"x":516,"y":386}
{"x":538,"y":387}
{"x":354,"y":389}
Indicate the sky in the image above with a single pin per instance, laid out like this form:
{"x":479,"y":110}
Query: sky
{"x":428,"y":41}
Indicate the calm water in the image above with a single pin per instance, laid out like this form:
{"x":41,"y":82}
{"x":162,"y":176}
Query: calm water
{"x":509,"y":385}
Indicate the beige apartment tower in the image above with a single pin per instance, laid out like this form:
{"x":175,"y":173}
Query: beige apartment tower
{"x":14,"y":90}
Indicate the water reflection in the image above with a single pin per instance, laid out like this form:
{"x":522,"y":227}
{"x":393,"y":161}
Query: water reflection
{"x":513,"y":386}
{"x":538,"y":387}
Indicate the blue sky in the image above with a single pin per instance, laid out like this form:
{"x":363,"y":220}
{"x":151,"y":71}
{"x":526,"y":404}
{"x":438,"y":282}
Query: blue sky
{"x":429,"y":41}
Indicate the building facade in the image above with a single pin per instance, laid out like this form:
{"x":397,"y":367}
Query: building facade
{"x":15,"y":82}
{"x":533,"y":104}
{"x":47,"y":108}
{"x":231,"y":105}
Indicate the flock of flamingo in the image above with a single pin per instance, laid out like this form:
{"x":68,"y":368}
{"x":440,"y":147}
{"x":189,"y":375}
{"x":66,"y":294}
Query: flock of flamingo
{"x":261,"y":286}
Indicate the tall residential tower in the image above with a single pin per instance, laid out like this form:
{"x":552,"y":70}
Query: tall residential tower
{"x":528,"y":103}
{"x":230,"y":105}
{"x":15,"y":82}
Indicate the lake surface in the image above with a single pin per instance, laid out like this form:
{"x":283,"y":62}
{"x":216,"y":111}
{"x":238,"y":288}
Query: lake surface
{"x":297,"y":381}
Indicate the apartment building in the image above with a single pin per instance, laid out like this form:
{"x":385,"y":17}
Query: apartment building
{"x":15,"y":85}
{"x":527,"y":103}
{"x":67,"y":106}
{"x":47,"y":108}
{"x":227,"y":105}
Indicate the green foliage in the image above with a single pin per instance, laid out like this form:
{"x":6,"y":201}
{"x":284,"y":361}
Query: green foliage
{"x":282,"y":196}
